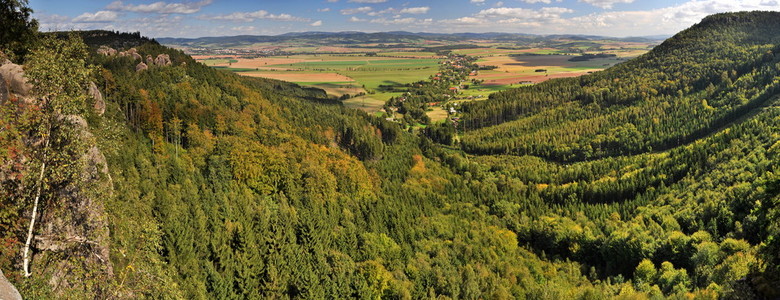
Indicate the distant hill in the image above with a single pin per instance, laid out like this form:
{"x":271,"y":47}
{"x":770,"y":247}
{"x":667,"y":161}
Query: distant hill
{"x":382,"y":37}
{"x":691,"y":84}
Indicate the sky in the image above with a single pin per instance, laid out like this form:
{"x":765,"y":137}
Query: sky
{"x":188,"y":18}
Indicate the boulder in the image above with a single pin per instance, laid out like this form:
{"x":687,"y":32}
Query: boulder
{"x":13,"y":77}
{"x":149,"y":60}
{"x":141,"y":67}
{"x":137,"y":56}
{"x":163,"y":60}
{"x":107,"y":51}
{"x":99,"y":104}
{"x":7,"y":290}
{"x":3,"y":90}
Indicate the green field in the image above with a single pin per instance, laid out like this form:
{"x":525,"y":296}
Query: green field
{"x":217,"y":61}
{"x":376,"y":75}
{"x":369,"y":72}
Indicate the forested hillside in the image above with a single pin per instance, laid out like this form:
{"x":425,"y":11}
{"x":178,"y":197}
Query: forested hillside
{"x":701,"y":79}
{"x":219,"y":186}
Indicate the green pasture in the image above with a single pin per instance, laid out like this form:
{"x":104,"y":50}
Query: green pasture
{"x":369,"y":71}
{"x":408,"y":53}
{"x":217,"y":61}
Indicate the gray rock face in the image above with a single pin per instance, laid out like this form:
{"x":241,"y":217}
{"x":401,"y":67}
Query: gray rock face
{"x":141,"y":67}
{"x":100,"y":105}
{"x":7,"y":290}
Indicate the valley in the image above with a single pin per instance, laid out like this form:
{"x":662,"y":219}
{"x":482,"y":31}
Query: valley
{"x":369,"y":75}
{"x":389,"y":165}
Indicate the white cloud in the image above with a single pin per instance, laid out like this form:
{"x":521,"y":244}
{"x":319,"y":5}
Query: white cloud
{"x":327,"y":9}
{"x":316,"y":23}
{"x":477,"y":2}
{"x":98,"y":17}
{"x":402,"y":21}
{"x":368,"y":1}
{"x":333,"y":1}
{"x":356,"y":19}
{"x":465,"y":21}
{"x":606,"y":4}
{"x":243,"y":28}
{"x":539,"y":1}
{"x":359,"y":10}
{"x":160,"y":7}
{"x":415,"y":10}
{"x":499,"y":4}
{"x":252,"y":16}
{"x":550,"y":20}
{"x":524,"y":13}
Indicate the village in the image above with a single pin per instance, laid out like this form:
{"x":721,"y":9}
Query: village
{"x":441,"y":92}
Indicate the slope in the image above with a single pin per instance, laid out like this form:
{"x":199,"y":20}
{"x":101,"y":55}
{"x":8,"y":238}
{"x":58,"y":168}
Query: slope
{"x":698,"y":80}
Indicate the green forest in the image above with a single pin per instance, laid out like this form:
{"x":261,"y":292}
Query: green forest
{"x":150,"y":175}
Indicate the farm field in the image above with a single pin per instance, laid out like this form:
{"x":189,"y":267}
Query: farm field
{"x":340,"y":74}
{"x":375,"y":74}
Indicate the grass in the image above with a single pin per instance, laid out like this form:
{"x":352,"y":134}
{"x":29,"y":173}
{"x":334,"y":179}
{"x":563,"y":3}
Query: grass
{"x":412,"y":54}
{"x":366,"y":103}
{"x":438,"y":114}
{"x":217,"y":61}
{"x":336,"y":88}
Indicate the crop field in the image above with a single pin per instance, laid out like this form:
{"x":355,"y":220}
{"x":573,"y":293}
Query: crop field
{"x":499,"y":52}
{"x":381,"y":73}
{"x":340,"y":74}
{"x":515,"y":69}
{"x":299,"y":77}
{"x":337,"y":88}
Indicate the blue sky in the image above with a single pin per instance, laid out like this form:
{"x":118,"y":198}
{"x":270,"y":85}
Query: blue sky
{"x":187,"y":18}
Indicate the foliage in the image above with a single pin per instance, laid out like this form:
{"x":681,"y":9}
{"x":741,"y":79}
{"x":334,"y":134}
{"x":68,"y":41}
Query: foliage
{"x":19,"y":28}
{"x":232,"y":187}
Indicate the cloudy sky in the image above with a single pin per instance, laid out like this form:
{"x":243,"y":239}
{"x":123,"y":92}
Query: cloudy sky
{"x":188,"y":18}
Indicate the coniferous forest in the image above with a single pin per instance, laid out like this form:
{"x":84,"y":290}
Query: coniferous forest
{"x":655,"y":178}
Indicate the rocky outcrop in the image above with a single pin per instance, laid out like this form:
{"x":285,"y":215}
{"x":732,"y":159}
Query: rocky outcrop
{"x":107,"y":51}
{"x":13,"y":83}
{"x":13,"y":75}
{"x":132,"y":52}
{"x":99,"y":105}
{"x":77,"y":228}
{"x":149,"y":60}
{"x":141,"y":67}
{"x":163,"y":60}
{"x":7,"y":290}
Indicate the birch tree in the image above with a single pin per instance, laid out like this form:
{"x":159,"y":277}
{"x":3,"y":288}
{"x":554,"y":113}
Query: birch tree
{"x":59,"y":74}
